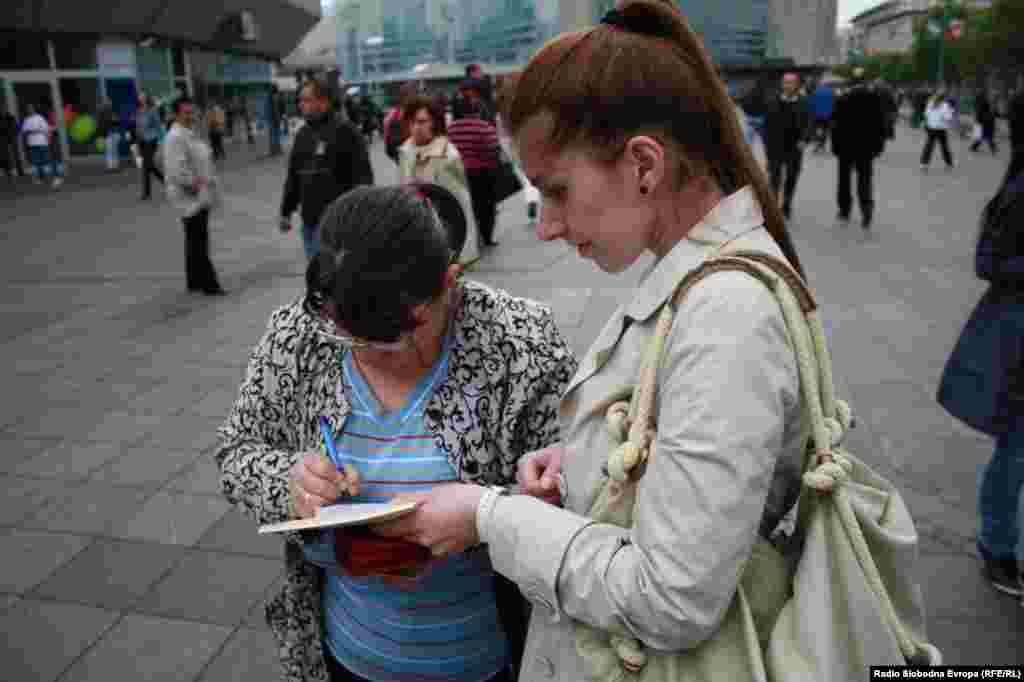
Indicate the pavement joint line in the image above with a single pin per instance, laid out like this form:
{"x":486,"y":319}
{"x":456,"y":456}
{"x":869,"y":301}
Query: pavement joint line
{"x":82,"y":654}
{"x":219,"y":651}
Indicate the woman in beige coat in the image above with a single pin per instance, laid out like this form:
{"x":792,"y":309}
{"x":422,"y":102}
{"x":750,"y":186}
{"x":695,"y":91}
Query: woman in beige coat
{"x":428,"y":156}
{"x":633,"y":141}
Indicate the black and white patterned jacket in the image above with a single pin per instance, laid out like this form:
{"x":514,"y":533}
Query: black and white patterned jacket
{"x":508,"y":367}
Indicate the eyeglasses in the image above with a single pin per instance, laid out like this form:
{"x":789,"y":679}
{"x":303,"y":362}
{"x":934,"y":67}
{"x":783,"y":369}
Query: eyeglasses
{"x":400,"y":344}
{"x":318,"y":305}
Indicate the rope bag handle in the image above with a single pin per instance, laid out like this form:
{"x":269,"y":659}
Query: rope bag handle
{"x":826,"y":468}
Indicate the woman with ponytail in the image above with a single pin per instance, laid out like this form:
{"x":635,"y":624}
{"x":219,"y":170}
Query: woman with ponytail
{"x":632,"y":139}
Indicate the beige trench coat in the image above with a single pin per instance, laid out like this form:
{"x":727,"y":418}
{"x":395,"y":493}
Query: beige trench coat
{"x":726,"y":464}
{"x":439,"y":162}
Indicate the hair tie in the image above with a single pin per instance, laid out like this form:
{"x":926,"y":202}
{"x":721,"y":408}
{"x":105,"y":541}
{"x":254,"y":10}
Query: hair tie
{"x":423,"y":197}
{"x":615,"y":18}
{"x":641,"y":24}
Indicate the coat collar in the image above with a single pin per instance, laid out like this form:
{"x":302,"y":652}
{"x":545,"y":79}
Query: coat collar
{"x":436,"y":148}
{"x":733,"y":216}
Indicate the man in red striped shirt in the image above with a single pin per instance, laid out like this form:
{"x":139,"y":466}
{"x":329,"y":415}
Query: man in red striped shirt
{"x":477,"y":142}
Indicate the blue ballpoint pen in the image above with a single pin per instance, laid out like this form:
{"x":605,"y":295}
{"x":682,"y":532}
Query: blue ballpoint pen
{"x":328,"y":434}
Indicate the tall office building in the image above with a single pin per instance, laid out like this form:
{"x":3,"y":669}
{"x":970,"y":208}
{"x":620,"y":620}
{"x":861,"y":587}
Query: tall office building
{"x":742,"y":31}
{"x":806,"y":30}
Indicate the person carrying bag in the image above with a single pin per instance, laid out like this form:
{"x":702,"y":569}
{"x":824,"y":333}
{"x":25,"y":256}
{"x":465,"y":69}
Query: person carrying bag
{"x":982,"y":384}
{"x":851,"y":601}
{"x":686,"y":567}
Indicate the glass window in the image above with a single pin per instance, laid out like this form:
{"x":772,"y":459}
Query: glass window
{"x":73,"y":52}
{"x":19,"y":50}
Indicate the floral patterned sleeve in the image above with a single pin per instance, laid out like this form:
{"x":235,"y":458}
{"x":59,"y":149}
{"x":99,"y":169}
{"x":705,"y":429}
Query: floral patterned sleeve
{"x":260,"y":437}
{"x":549,"y":366}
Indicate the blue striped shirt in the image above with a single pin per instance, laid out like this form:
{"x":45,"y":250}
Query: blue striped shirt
{"x":441,"y":625}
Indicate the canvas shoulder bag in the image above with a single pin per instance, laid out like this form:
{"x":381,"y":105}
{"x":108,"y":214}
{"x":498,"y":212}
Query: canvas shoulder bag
{"x":843,"y":598}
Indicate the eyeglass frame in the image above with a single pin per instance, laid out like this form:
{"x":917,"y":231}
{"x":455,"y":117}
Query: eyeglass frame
{"x":403,"y":341}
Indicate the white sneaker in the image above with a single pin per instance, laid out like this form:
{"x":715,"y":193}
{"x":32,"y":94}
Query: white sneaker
{"x":57,"y":182}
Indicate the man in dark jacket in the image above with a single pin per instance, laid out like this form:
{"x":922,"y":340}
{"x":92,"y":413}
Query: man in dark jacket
{"x":329,"y":157}
{"x":858,"y":138}
{"x":788,"y":127}
{"x":9,"y":157}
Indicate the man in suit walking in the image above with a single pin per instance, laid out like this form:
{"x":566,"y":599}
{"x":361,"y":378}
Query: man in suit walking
{"x":788,"y":127}
{"x":858,"y":138}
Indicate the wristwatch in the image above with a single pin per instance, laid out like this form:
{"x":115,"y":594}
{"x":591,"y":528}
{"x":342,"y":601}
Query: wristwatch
{"x":487,"y":502}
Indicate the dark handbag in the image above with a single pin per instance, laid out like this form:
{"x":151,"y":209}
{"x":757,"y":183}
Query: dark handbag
{"x":506,"y":181}
{"x":981,"y":382}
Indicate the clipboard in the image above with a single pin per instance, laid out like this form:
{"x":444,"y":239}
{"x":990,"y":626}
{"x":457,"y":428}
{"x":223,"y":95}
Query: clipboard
{"x":339,"y":515}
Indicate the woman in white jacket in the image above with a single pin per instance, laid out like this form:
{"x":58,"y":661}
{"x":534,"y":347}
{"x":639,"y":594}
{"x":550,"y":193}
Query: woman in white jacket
{"x":938,"y":120}
{"x":192,"y":188}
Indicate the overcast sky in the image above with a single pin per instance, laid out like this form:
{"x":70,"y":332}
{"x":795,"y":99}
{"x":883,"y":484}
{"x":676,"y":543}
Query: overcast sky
{"x":847,"y":8}
{"x":851,"y":8}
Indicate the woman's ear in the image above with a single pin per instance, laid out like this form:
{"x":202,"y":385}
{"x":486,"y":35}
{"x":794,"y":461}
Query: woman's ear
{"x":646,"y":159}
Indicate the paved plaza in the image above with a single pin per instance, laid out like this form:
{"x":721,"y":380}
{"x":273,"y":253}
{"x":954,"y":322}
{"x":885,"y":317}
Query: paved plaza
{"x":122,"y":561}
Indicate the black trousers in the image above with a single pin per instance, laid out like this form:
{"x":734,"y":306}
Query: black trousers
{"x":336,"y":672}
{"x":788,"y":163}
{"x":199,"y":272}
{"x":988,"y":134}
{"x":485,"y":207}
{"x":865,"y":169}
{"x":942,"y":137}
{"x":148,"y":151}
{"x":217,"y":144}
{"x":14,"y":159}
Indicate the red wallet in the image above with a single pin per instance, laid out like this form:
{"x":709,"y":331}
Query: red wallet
{"x":363,"y":553}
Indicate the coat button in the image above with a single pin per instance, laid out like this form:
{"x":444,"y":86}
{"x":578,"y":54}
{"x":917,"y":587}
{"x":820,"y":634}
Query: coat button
{"x":546,"y":667}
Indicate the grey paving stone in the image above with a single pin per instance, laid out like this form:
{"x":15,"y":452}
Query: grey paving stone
{"x":30,"y":557}
{"x":250,"y":655}
{"x":216,"y":403}
{"x":237,"y":533}
{"x":171,"y":518}
{"x":48,"y":421}
{"x":72,"y":461}
{"x":154,"y":649}
{"x":961,"y":644}
{"x":7,"y":601}
{"x":41,"y":639}
{"x":144,"y":466}
{"x":24,"y":497}
{"x":123,"y":427}
{"x":185,"y":432}
{"x":256,"y":619}
{"x":211,"y":587}
{"x":203,"y":478}
{"x":90,"y":509}
{"x":112,"y":574}
{"x":15,"y":450}
{"x":168,"y":398}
